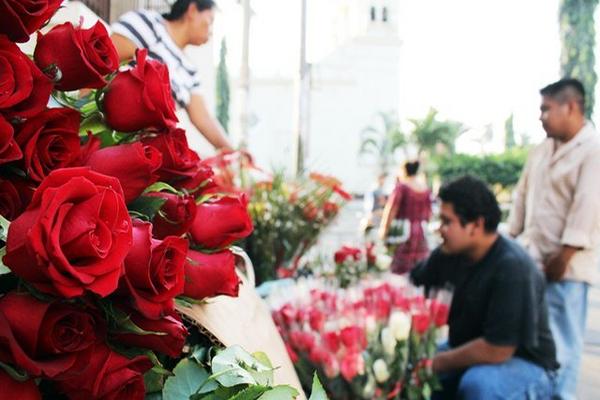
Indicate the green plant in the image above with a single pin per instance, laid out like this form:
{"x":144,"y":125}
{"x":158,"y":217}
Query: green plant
{"x":223,"y":91}
{"x":435,"y":137}
{"x":382,"y":140}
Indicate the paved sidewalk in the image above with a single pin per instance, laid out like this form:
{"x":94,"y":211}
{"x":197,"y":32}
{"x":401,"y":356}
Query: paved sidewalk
{"x":345,"y":230}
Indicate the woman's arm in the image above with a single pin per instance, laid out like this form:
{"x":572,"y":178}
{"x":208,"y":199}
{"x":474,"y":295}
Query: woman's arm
{"x":389,"y":213}
{"x":208,"y":126}
{"x":125,"y":47}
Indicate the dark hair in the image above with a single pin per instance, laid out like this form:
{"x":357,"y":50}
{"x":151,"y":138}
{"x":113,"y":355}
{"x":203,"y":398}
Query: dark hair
{"x":179,"y":8}
{"x":566,"y":89}
{"x":411,"y":168}
{"x":471,"y":199}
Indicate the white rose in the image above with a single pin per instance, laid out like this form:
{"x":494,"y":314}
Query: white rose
{"x":370,"y":324}
{"x":380,"y":370}
{"x":383,"y":262}
{"x":369,"y":389}
{"x":388,"y":341}
{"x":400,"y":325}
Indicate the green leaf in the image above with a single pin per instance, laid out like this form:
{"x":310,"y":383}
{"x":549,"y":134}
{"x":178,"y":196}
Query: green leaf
{"x":154,"y":396}
{"x":189,"y":379}
{"x":153,"y":382}
{"x":147,"y":206}
{"x":160,"y":187}
{"x":221,"y":393}
{"x":234,"y":366}
{"x":14,"y":373}
{"x":4,"y":224}
{"x":3,"y":268}
{"x":282,"y":392}
{"x":317,"y":391}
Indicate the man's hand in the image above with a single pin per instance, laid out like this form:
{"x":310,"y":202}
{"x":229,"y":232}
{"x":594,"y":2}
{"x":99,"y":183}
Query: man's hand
{"x":555,"y":266}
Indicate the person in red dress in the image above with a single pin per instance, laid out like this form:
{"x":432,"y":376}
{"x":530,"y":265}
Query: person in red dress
{"x":405,"y":216}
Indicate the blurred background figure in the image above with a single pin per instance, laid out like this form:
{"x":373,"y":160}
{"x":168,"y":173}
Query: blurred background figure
{"x":405,"y":218}
{"x":165,"y":36}
{"x":375,"y":200}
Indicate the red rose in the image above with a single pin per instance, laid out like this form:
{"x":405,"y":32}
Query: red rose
{"x":24,"y":89}
{"x":13,"y":389}
{"x":221,"y":221}
{"x":45,"y":339}
{"x":420,"y":322}
{"x":154,"y":272}
{"x":180,"y":163}
{"x":170,"y":342}
{"x":134,"y":164}
{"x":140,"y":97}
{"x":108,"y":376}
{"x":293,"y":355}
{"x":209,"y":275}
{"x":50,"y":141}
{"x":9,"y":149}
{"x":347,"y":253}
{"x":202,"y":181}
{"x":352,"y":365}
{"x":20,"y":18}
{"x":74,"y":235}
{"x":175,"y":216}
{"x":440,"y":312}
{"x":15,"y":195}
{"x":303,"y":341}
{"x":316,"y":319}
{"x":76,"y":58}
{"x":331,"y":341}
{"x":353,"y":337}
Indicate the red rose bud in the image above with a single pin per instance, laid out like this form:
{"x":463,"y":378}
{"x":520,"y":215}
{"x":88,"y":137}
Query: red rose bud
{"x":346,"y":253}
{"x":9,"y":149}
{"x":15,"y":195}
{"x":293,"y":355}
{"x":440,"y":312}
{"x":108,"y":375}
{"x":352,"y":365}
{"x":13,"y":389}
{"x":140,"y":98}
{"x":76,"y":58}
{"x":221,"y":221}
{"x":169,"y":342}
{"x":134,"y":164}
{"x":180,"y":163}
{"x":316,"y":319}
{"x":20,"y":18}
{"x":354,"y":338}
{"x":154,"y":271}
{"x":73,"y":237}
{"x":45,"y":339}
{"x":420,"y":322}
{"x":175,"y":216}
{"x":209,"y":275}
{"x":24,"y":90}
{"x":303,"y":341}
{"x":49,"y":141}
{"x":332,"y":341}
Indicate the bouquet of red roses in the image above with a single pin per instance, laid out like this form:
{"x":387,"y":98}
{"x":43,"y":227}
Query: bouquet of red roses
{"x":373,"y":340}
{"x":108,"y":217}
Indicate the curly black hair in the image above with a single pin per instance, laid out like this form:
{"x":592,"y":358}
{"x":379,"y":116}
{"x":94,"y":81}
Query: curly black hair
{"x":471,"y":199}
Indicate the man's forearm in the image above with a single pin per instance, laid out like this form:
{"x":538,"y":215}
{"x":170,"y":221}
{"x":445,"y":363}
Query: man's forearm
{"x":477,"y":351}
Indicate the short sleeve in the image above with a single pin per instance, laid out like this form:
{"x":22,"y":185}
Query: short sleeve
{"x":514,"y":306}
{"x":435,"y":271}
{"x":137,"y":27}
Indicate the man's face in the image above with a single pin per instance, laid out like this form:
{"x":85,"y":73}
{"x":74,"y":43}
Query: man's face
{"x":201,"y":25}
{"x":457,"y":238}
{"x":554,"y":117}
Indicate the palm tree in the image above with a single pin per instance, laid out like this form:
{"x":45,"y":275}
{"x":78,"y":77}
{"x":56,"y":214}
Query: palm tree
{"x":434,"y":137}
{"x":382,"y":140}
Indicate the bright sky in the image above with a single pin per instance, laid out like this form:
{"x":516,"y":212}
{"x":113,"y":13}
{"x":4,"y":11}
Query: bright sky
{"x":475,"y":61}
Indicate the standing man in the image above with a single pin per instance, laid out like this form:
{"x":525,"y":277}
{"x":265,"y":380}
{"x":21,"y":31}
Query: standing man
{"x":556,"y":212}
{"x":165,"y":36}
{"x":499,"y":344}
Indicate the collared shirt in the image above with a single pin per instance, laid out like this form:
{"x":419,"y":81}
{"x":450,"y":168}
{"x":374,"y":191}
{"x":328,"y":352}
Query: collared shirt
{"x":147,"y":30}
{"x":557,"y":202}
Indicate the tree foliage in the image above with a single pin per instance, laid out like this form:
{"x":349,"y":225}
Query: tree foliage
{"x":222,"y":88}
{"x":382,"y":139}
{"x":435,"y":137}
{"x":578,"y":38}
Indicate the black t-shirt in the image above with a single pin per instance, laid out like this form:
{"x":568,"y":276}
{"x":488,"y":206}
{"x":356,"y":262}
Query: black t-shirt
{"x":500,"y":298}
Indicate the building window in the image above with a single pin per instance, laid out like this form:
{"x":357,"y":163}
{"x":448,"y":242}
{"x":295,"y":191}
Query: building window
{"x":384,"y":15}
{"x":373,"y":16}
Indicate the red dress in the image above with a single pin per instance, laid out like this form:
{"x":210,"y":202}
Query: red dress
{"x":414,"y":211}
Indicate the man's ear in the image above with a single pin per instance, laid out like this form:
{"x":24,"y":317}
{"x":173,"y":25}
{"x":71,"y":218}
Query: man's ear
{"x":480,"y":224}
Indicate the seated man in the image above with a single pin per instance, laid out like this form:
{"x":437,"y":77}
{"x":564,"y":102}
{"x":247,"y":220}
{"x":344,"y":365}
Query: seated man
{"x":500,"y":345}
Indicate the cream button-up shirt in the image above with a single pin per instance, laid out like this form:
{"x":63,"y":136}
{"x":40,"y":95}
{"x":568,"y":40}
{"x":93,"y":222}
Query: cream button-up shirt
{"x":557,"y":202}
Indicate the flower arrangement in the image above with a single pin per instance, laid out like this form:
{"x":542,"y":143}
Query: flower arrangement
{"x":108,"y":218}
{"x":372,"y":340}
{"x":288,"y":214}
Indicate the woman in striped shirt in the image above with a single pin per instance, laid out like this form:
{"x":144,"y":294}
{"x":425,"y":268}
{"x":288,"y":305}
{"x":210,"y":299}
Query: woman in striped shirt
{"x":165,"y":36}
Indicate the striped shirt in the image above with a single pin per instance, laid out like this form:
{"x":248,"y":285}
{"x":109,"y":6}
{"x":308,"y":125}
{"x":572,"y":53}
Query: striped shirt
{"x":147,"y":30}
